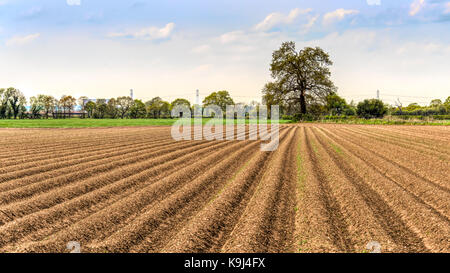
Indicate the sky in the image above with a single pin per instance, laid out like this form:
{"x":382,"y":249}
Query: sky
{"x":170,"y":48}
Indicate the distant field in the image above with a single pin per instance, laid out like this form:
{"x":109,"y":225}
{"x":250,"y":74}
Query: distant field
{"x":85,"y":123}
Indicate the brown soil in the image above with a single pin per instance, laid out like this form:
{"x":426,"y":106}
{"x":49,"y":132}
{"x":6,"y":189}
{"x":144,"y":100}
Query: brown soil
{"x":327,"y":188}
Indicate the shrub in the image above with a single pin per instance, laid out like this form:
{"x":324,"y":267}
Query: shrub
{"x":350,"y":111}
{"x":304,"y":117}
{"x":371,"y":109}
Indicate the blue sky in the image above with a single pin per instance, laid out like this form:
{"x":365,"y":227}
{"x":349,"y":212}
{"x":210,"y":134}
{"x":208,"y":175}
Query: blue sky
{"x":170,"y":48}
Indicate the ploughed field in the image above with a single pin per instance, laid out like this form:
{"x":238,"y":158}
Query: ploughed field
{"x":327,"y":188}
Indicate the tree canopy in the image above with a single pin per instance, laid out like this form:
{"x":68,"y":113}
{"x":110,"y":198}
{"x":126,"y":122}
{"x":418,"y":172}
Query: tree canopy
{"x":219,"y":98}
{"x":16,"y":100}
{"x":157,"y":108}
{"x":372,"y":108}
{"x":338,"y":106}
{"x":300,"y":77}
{"x":138,"y":109}
{"x":181,"y":102}
{"x":124,"y":104}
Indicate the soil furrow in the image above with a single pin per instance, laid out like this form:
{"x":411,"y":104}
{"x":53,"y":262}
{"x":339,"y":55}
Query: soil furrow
{"x":62,"y":194}
{"x":326,"y":188}
{"x":338,"y":228}
{"x":45,"y":150}
{"x":208,"y":230}
{"x":267,"y":223}
{"x":399,"y":162}
{"x":41,"y":161}
{"x":30,"y":186}
{"x":101,"y":221}
{"x":387,"y":218}
{"x":73,"y":161}
{"x":428,"y":150}
{"x":420,"y":192}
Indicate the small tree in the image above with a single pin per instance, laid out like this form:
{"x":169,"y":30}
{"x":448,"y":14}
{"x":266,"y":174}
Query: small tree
{"x":138,"y":109}
{"x":102,"y":108}
{"x":181,"y":102}
{"x":37,"y":105}
{"x":435,"y":103}
{"x":412,"y":106}
{"x":16,"y":99}
{"x":219,"y":98}
{"x":336,"y":105}
{"x":3,"y":103}
{"x":372,"y":108}
{"x":124,"y":104}
{"x":447,"y":103}
{"x":111,"y":109}
{"x":90,"y":108}
{"x":82,"y":103}
{"x":22,"y":112}
{"x":57,"y":107}
{"x":48,"y":103}
{"x":157,"y":107}
{"x":165,"y":109}
{"x":67,"y":103}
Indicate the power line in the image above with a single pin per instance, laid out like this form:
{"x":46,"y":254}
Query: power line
{"x":390,"y":95}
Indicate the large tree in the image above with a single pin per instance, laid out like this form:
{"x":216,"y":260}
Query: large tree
{"x":300,"y":76}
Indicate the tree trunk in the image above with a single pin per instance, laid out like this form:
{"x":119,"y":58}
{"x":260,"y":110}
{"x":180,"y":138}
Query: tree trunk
{"x":302,"y":102}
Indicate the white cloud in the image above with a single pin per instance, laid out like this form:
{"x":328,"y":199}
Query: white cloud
{"x":149,"y":33}
{"x":310,"y":23}
{"x":447,"y":8}
{"x":416,"y":6}
{"x":373,"y":2}
{"x":337,"y":15}
{"x":22,"y":40}
{"x":231,"y":36}
{"x":276,"y":19}
{"x":73,"y":2}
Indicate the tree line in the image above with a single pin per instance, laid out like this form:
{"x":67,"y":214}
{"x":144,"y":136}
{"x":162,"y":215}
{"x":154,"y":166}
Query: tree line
{"x":13,"y":106}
